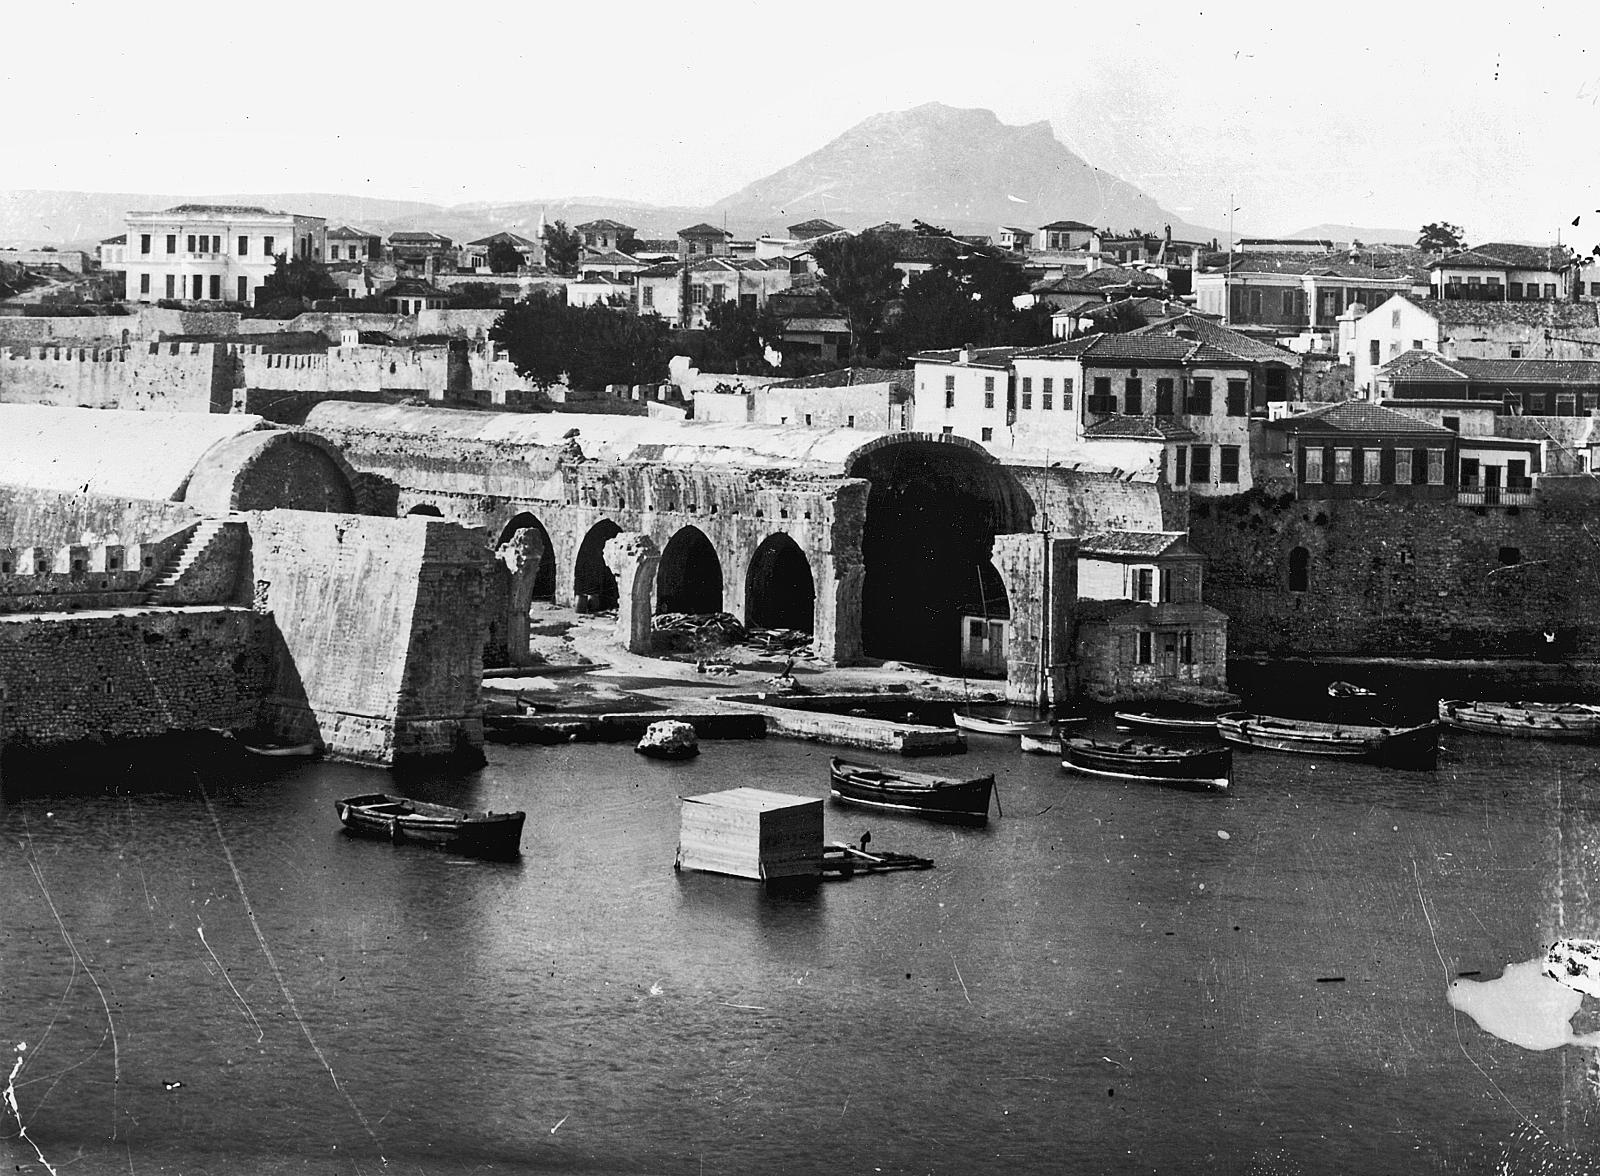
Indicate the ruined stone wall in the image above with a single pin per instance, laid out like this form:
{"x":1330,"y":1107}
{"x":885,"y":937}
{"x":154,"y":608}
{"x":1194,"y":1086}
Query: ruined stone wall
{"x":1086,"y":501}
{"x":176,"y":377}
{"x":66,"y":679}
{"x":29,"y":517}
{"x":379,"y":631}
{"x":348,"y":369}
{"x":1386,"y":578}
{"x":76,"y":330}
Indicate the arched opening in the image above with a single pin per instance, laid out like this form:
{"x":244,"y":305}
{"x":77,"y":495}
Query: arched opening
{"x":424,"y":508}
{"x":933,"y":511}
{"x":544,"y":578}
{"x":592,"y":582}
{"x":985,"y":617}
{"x":690,"y":576}
{"x":779,"y":590}
{"x":1299,"y":570}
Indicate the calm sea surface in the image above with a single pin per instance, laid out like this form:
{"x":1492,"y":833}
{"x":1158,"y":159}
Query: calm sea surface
{"x":1108,"y":978}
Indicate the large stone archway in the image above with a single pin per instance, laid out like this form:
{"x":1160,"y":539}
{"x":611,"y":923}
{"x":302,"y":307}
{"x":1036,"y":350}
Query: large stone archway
{"x":594,"y":585}
{"x":780,"y":591}
{"x":689,"y":579}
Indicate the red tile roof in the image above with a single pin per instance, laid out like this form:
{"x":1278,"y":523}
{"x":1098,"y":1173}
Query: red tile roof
{"x":1358,"y":416}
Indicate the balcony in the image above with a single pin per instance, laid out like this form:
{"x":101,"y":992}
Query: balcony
{"x":1495,"y":496}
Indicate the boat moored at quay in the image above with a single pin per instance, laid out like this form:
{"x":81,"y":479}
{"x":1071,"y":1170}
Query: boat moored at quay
{"x":1415,"y":747}
{"x":1522,"y":720}
{"x":1207,"y":768}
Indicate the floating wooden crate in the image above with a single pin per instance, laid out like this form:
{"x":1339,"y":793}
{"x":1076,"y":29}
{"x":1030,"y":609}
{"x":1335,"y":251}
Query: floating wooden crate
{"x":751,"y":833}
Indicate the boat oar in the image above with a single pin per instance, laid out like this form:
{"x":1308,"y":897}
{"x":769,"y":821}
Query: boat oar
{"x":998,"y":811}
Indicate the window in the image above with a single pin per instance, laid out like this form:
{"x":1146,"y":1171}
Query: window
{"x":949,"y":391}
{"x":1453,"y":423}
{"x":1238,"y":398}
{"x":1144,"y":583}
{"x":1066,"y":393}
{"x":1394,"y":317}
{"x":144,"y":242}
{"x":266,"y":246}
{"x":1027,"y":386}
{"x":947,"y":430}
{"x":1402,"y":467}
{"x":1146,"y":647}
{"x":1416,"y":344}
{"x":144,"y":283}
{"x":1046,"y":387}
{"x":1375,"y":351}
{"x":718,"y":291}
{"x":988,"y":394}
{"x":808,"y":418}
{"x":172,"y":242}
{"x":1566,"y":404}
{"x":849,"y":422}
{"x":1372,"y":466}
{"x":1133,"y":396}
{"x":1200,"y":465}
{"x":1549,"y":289}
{"x":1046,"y":401}
{"x":1510,"y":556}
{"x":1342,"y":461}
{"x":1313,"y":464}
{"x":1474,"y":281}
{"x":986,"y":434}
{"x":199,"y":288}
{"x":190,"y":245}
{"x":647,"y":296}
{"x":1299,"y":570}
{"x":1228,"y":467}
{"x":1199,"y":398}
{"x":1163,"y":397}
{"x":1514,"y":291}
{"x":1436,"y":467}
{"x":697,"y":292}
{"x":1182,"y":469}
{"x":1516,"y":353}
{"x":244,"y":289}
{"x":1027,"y":398}
{"x":216,"y":287}
{"x":172,"y":283}
{"x":1186,"y":647}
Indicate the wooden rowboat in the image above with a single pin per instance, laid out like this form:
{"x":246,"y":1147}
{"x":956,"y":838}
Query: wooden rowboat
{"x":1403,"y":746}
{"x":944,"y":797}
{"x":1172,"y":722}
{"x":995,"y":724}
{"x":1524,"y":720}
{"x":1050,"y":743}
{"x":398,"y":818}
{"x":1188,"y":767}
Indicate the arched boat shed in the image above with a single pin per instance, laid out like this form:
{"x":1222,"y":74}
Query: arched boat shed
{"x":877,"y":543}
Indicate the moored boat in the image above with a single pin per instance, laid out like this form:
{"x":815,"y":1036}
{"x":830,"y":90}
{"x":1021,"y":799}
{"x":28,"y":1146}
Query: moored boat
{"x":1049,"y":743}
{"x":286,"y":750}
{"x":1189,"y":767}
{"x":999,"y":723}
{"x":399,"y":818}
{"x":1405,"y":746}
{"x":1173,"y":722}
{"x":945,"y":797}
{"x":1524,"y":720}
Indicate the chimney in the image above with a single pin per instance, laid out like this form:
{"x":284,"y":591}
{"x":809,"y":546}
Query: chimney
{"x":964,"y":356}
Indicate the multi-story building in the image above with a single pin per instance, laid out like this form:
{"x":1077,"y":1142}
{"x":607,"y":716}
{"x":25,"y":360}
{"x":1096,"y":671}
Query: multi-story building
{"x":604,"y":234}
{"x":214,"y":252}
{"x":112,"y":253}
{"x":682,"y":294}
{"x":1295,"y":294}
{"x":703,"y":240}
{"x":1503,"y":272}
{"x":347,"y":244}
{"x":1065,"y":235}
{"x":418,"y":248}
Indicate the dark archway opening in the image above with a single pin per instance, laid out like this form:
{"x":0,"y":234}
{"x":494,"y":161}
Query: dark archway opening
{"x":432,"y":512}
{"x":593,"y":583}
{"x":544,"y":579}
{"x":933,"y":511}
{"x":690,"y":576}
{"x":779,"y":591}
{"x":1299,"y":570}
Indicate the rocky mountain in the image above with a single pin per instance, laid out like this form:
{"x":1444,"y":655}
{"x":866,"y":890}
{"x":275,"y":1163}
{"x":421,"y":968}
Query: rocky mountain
{"x":1344,"y":233}
{"x":963,"y":169}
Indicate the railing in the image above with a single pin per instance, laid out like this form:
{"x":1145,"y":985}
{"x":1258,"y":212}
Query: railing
{"x":1494,"y":496}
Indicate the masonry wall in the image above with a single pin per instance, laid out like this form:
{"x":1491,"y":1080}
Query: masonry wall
{"x":69,"y":679}
{"x":379,"y":631}
{"x":1402,"y":579}
{"x":29,"y":517}
{"x":176,"y":377}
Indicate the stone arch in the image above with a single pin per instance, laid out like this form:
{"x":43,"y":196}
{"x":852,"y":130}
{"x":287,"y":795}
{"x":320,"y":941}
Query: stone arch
{"x":271,"y":469}
{"x":594,"y":585}
{"x":780,"y":591}
{"x":544,"y":574}
{"x":427,"y":510}
{"x":689,"y":579}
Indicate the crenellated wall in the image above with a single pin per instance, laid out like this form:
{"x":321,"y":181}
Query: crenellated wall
{"x":175,"y":377}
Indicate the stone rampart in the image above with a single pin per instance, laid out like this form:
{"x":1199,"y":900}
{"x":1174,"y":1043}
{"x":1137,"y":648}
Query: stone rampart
{"x":128,"y":674}
{"x":379,"y":632}
{"x":1370,"y":577}
{"x":29,"y":516}
{"x":74,"y":330}
{"x":175,"y":377}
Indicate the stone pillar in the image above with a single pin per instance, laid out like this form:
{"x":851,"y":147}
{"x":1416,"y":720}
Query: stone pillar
{"x":521,"y":555}
{"x":633,"y":558}
{"x":838,"y":612}
{"x":1041,"y":579}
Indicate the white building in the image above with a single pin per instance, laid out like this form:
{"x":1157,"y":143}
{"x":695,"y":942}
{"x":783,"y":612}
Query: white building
{"x":214,"y":252}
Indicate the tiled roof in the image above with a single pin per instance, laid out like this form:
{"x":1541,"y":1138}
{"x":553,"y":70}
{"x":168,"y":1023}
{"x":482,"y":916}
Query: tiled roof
{"x":662,"y":269}
{"x":815,"y":227}
{"x":848,"y":378}
{"x":1137,"y":428}
{"x":1532,"y":371}
{"x":1422,"y":366}
{"x":1063,"y":226}
{"x":703,"y":230}
{"x":1133,"y":543}
{"x":1468,"y":311}
{"x":1133,"y":348}
{"x":977,"y":356}
{"x":1016,"y":231}
{"x":1505,"y":255}
{"x":1098,"y":281}
{"x":119,"y":239}
{"x":417,"y":237}
{"x":223,"y":209}
{"x":1329,"y":265}
{"x":1358,"y":416}
{"x":656,"y":245}
{"x":512,"y":238}
{"x":824,"y":325}
{"x":1221,"y":337}
{"x":345,"y":232}
{"x":603,"y":225}
{"x":608,"y":257}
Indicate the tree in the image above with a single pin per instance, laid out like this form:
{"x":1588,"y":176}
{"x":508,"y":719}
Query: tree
{"x":532,"y":334}
{"x":296,"y":278}
{"x":476,"y":296}
{"x":504,"y":258}
{"x":737,"y":338}
{"x":562,"y":248}
{"x":859,"y":273}
{"x":1440,"y":237}
{"x":965,"y":299}
{"x":589,"y":346}
{"x":923,"y":229}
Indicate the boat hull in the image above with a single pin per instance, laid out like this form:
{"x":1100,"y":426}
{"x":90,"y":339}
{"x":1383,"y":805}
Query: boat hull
{"x":1396,"y":746}
{"x":1172,"y":724}
{"x":1209,"y":770}
{"x":938,"y":797}
{"x":397,"y":819}
{"x":985,"y":725}
{"x":1522,"y":720}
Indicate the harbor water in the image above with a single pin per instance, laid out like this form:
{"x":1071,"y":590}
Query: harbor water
{"x":200,"y":973}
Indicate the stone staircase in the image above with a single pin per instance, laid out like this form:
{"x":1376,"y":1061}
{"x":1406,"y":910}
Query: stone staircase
{"x":183,"y":559}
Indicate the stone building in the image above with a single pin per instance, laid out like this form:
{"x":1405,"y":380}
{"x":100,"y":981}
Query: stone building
{"x":214,"y":252}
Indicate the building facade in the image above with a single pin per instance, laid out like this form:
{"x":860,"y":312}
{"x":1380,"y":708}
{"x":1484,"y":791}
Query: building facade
{"x":214,"y":252}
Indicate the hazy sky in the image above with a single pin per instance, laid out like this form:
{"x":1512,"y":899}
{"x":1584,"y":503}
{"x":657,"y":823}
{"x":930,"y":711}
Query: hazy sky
{"x":1378,"y":114}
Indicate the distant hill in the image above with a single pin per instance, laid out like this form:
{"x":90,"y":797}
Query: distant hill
{"x":1347,"y":233}
{"x":963,"y":169}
